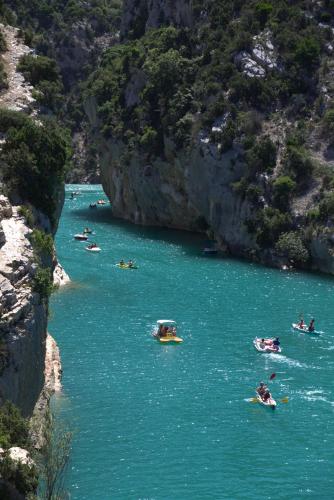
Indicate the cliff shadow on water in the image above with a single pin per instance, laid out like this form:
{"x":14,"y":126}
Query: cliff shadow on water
{"x":192,"y":243}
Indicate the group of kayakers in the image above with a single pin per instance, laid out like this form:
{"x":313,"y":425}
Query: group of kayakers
{"x":130,"y":263}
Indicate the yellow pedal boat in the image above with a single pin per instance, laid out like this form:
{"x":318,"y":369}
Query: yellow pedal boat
{"x":165,"y":332}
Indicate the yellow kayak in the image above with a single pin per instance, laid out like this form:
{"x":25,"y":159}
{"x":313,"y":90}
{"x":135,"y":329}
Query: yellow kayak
{"x":126,"y":266}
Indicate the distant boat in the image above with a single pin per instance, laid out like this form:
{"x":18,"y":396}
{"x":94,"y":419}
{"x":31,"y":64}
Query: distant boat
{"x":210,"y":248}
{"x":81,"y":237}
{"x":92,"y":205}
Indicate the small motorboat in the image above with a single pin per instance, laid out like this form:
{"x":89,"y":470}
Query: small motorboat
{"x":269,"y":403}
{"x":266,"y":347}
{"x":81,"y":237}
{"x":93,"y":248}
{"x":101,"y":202}
{"x":210,"y":251}
{"x":305,"y":329}
{"x":126,"y":266}
{"x":92,"y":205}
{"x":165,"y":332}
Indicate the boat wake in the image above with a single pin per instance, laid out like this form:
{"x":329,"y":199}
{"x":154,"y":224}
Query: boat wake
{"x":279,"y":358}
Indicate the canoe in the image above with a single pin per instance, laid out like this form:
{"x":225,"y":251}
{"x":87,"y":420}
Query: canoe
{"x":267,"y":348}
{"x":81,"y":237}
{"x":126,"y":266}
{"x":270,"y":403}
{"x":95,"y":249}
{"x":305,"y":329}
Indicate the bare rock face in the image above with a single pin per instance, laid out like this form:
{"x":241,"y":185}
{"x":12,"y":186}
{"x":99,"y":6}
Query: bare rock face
{"x":23,"y":317}
{"x":138,"y":16}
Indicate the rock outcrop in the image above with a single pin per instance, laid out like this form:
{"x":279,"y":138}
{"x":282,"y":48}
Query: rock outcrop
{"x":23,"y":316}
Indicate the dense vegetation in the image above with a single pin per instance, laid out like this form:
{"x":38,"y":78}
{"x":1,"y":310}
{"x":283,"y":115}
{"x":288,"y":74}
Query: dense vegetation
{"x":34,"y":159}
{"x":180,"y":84}
{"x":14,"y":431}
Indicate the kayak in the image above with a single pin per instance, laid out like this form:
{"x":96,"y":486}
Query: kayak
{"x":169,"y":339}
{"x":126,"y":266}
{"x":95,"y":249}
{"x":270,"y":403}
{"x":81,"y":237}
{"x":267,"y":348}
{"x":305,"y":329}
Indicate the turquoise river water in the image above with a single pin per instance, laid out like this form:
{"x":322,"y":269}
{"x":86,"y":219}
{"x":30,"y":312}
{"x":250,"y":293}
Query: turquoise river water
{"x":174,"y":422}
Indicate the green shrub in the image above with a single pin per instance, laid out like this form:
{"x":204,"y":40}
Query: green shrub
{"x":14,"y":429}
{"x":34,"y":161}
{"x":27,"y":214}
{"x":328,"y":121}
{"x":291,"y":245}
{"x":283,"y":188}
{"x":3,"y":44}
{"x":271,"y":223}
{"x":9,"y":118}
{"x":326,"y":207}
{"x":298,"y":165}
{"x":42,"y":243}
{"x":262,"y":156}
{"x":43,"y":282}
{"x":23,"y":476}
{"x":263,"y":11}
{"x":38,"y":68}
{"x":307,"y":52}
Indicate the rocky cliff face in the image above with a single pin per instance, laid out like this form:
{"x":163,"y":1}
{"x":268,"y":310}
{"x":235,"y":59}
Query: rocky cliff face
{"x":191,"y":136}
{"x":23,"y":317}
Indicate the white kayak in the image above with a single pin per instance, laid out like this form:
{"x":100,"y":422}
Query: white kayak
{"x":305,"y":329}
{"x":81,"y":237}
{"x":265,"y":348}
{"x":270,"y":403}
{"x":94,"y":249}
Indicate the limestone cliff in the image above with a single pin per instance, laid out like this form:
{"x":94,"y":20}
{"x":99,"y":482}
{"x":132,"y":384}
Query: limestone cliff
{"x":201,"y":126}
{"x":23,"y":309}
{"x":23,"y":318}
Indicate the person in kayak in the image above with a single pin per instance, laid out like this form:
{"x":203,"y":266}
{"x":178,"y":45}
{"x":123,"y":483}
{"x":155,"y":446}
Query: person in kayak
{"x":266,"y":396}
{"x":92,"y":245}
{"x":276,"y":342}
{"x":121,"y":262}
{"x":311,"y":326}
{"x":301,"y":323}
{"x":130,"y":263}
{"x":261,"y":389}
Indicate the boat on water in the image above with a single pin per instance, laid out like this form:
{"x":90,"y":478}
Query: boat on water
{"x":266,"y":346}
{"x":305,"y":329}
{"x":92,"y":205}
{"x":93,"y":248}
{"x":126,"y":266}
{"x":87,"y":231}
{"x":210,"y":248}
{"x":268,"y":403}
{"x":101,"y":202}
{"x":81,"y":237}
{"x":165,"y":332}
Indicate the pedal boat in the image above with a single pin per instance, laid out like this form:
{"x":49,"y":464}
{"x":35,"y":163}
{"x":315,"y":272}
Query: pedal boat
{"x":165,"y":332}
{"x":266,"y":348}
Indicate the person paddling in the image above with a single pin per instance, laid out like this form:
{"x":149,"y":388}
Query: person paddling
{"x":311,"y":326}
{"x":261,"y":389}
{"x":301,"y":323}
